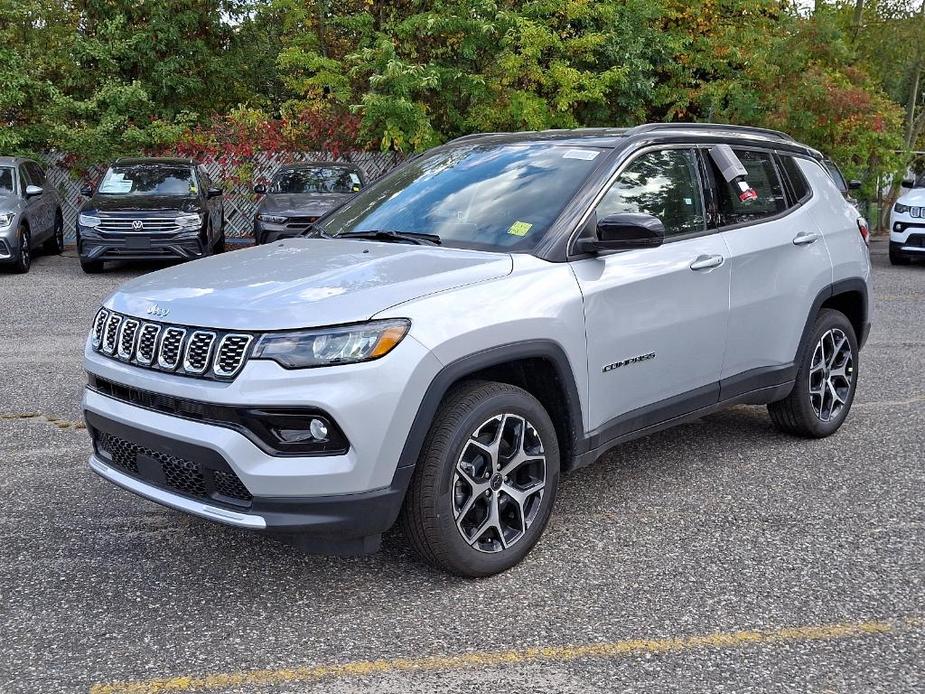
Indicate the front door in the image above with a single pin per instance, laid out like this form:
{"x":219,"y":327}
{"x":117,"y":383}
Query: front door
{"x":655,"y":319}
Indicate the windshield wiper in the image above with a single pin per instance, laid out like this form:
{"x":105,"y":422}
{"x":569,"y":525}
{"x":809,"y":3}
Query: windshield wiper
{"x":390,"y":235}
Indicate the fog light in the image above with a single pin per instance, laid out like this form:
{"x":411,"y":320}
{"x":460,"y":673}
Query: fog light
{"x":898,"y":228}
{"x":318,"y":430}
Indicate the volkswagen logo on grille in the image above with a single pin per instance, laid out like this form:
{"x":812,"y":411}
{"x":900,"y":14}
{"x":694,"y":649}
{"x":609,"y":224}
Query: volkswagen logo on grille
{"x":155,"y":310}
{"x":138,"y":225}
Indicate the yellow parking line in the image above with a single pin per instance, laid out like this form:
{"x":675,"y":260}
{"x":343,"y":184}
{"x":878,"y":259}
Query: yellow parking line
{"x":558,"y":654}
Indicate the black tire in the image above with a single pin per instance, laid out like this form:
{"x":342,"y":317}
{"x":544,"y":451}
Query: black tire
{"x":219,"y":246}
{"x":897,"y":258}
{"x":24,"y":259}
{"x":91,"y":267}
{"x":797,"y":413}
{"x":55,"y":245}
{"x":428,"y":515}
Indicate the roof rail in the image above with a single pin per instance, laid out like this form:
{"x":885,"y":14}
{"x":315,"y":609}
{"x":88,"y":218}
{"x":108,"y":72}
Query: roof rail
{"x":649,"y":127}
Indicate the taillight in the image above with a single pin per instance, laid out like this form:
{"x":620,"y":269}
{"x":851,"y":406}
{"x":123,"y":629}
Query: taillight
{"x":864,"y":229}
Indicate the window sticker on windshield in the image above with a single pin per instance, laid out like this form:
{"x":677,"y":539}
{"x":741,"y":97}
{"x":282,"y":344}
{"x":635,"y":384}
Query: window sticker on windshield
{"x":519,"y":228}
{"x":586,"y":154}
{"x":116,"y":183}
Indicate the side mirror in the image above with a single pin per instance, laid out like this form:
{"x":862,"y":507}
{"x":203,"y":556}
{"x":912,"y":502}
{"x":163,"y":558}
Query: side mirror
{"x":624,"y":231}
{"x":260,"y":189}
{"x":214,"y":193}
{"x":32,"y":191}
{"x":854,"y":184}
{"x":87,"y":191}
{"x":907,"y":183}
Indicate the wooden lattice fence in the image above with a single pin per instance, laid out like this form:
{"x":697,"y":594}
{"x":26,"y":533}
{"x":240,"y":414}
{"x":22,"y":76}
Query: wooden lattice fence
{"x":240,"y":201}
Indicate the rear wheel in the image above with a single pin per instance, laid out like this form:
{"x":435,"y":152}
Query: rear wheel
{"x":24,"y":259}
{"x":824,"y":390}
{"x":485,"y":482}
{"x":91,"y":267}
{"x":55,"y":245}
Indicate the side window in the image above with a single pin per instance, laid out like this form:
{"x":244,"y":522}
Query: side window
{"x":664,"y":184}
{"x":24,"y":180}
{"x":797,"y":180}
{"x":204,"y":180}
{"x":36,"y":173}
{"x":762,"y":178}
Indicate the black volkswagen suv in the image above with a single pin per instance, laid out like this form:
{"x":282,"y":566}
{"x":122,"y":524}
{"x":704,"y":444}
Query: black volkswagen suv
{"x":149,"y":209}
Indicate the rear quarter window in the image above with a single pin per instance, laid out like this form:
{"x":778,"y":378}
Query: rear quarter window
{"x":795,"y":177}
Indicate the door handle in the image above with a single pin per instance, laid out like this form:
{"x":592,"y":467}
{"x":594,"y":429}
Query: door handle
{"x":804,"y":238}
{"x":707,"y":262}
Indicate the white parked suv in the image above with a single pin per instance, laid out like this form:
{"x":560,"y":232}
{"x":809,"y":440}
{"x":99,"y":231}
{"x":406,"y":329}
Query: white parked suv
{"x":498,"y":311}
{"x":907,"y":224}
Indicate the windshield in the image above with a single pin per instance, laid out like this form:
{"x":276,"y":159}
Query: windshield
{"x":490,"y":197}
{"x":149,"y":179}
{"x":322,"y":179}
{"x":6,"y":179}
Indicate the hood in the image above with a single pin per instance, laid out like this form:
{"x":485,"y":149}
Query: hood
{"x":301,"y":204}
{"x":916,"y":197}
{"x":147,"y":203}
{"x":303,"y":283}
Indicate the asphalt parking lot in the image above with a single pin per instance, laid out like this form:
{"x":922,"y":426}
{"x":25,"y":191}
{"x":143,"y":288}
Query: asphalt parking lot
{"x":718,"y":556}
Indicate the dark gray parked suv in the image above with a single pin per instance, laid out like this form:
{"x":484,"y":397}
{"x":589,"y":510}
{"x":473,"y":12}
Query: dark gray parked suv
{"x":299,"y":194}
{"x":30,"y":213}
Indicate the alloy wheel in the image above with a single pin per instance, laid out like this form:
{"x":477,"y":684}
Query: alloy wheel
{"x":25,"y":252}
{"x":831,"y":374}
{"x":498,"y":483}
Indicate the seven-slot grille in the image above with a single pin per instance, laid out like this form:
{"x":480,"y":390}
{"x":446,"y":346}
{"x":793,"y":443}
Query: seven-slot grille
{"x":185,"y":351}
{"x":121,"y":225}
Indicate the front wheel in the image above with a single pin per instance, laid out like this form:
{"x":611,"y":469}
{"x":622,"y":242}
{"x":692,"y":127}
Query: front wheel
{"x":91,"y":267}
{"x":24,"y":259}
{"x":485,"y":481}
{"x":824,"y":390}
{"x":897,"y":258}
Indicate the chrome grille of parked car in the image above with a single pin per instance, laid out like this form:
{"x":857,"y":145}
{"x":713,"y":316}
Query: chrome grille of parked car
{"x":230,"y":355}
{"x":171,"y":347}
{"x":213,"y":354}
{"x":127,"y":337}
{"x":121,"y":225}
{"x":147,"y":344}
{"x":198,"y":351}
{"x":111,"y":333}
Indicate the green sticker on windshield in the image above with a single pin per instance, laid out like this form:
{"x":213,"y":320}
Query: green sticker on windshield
{"x":519,"y":228}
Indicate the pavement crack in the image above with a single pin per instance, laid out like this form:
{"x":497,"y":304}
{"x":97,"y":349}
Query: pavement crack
{"x":68,"y":424}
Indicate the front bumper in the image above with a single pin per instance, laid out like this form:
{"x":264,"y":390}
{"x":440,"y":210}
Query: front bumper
{"x":137,"y":246}
{"x":342,"y":494}
{"x":349,"y":522}
{"x":265,"y":232}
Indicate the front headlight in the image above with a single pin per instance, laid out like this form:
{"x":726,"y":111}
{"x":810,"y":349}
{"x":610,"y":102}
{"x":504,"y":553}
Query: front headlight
{"x":6,"y":218}
{"x":347,"y":344}
{"x":272,"y":219}
{"x":189,"y":221}
{"x":86,"y":220}
{"x":900,"y":208}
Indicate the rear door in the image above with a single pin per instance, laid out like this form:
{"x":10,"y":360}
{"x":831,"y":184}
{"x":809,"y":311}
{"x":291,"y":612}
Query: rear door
{"x":655,"y":319}
{"x":44,"y":203}
{"x":778,"y":262}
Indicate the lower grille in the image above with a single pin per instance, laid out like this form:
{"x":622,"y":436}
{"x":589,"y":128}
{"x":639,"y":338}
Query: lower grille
{"x":178,"y":474}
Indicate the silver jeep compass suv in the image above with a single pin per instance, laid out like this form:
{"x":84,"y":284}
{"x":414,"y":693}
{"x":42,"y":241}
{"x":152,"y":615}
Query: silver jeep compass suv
{"x":501,"y":310}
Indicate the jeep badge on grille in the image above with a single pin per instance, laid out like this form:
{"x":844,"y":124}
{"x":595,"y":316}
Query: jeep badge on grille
{"x":155,"y":310}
